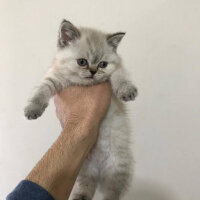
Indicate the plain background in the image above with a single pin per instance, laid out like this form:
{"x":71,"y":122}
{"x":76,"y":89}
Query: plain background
{"x":160,"y":50}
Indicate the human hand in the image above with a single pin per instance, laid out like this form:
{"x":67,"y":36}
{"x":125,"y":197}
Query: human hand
{"x":77,"y":103}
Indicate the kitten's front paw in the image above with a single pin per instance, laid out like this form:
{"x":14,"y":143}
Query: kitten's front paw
{"x":33,"y":110}
{"x":127,"y":92}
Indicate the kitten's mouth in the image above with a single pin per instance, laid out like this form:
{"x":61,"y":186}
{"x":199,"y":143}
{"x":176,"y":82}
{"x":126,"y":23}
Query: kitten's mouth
{"x":89,"y":77}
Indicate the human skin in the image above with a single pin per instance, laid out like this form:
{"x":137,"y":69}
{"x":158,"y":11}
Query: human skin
{"x":80,"y":110}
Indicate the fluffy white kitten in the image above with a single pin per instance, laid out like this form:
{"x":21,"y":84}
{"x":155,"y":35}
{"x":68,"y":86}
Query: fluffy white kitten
{"x":86,"y":56}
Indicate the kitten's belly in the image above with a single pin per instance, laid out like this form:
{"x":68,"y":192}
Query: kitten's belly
{"x":114,"y":137}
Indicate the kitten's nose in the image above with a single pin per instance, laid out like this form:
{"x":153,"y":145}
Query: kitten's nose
{"x":93,"y":71}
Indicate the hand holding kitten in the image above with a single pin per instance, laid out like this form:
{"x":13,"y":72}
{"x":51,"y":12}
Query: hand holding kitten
{"x":85,"y":59}
{"x":83,"y":103}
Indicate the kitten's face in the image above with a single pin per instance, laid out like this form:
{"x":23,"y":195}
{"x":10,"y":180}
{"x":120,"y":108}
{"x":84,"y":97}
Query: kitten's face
{"x":88,"y":55}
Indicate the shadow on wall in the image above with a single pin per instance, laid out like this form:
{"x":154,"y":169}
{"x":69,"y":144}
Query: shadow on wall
{"x":149,"y":190}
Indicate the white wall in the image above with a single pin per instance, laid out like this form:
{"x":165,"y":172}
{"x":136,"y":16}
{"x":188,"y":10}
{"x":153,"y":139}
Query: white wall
{"x":161,"y":51}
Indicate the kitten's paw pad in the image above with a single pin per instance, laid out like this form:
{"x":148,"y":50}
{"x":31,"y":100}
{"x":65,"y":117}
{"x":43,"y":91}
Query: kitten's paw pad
{"x":33,"y":111}
{"x":127,"y":92}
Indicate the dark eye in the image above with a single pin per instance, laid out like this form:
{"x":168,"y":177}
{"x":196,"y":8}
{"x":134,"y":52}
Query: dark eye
{"x":82,"y":62}
{"x":102,"y":64}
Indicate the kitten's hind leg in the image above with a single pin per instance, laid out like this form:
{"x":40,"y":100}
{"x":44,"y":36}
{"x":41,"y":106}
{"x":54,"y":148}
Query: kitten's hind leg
{"x":115,"y":185}
{"x":84,"y":188}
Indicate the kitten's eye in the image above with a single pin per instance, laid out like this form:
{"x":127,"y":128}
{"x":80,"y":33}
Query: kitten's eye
{"x":103,"y":64}
{"x":82,"y":62}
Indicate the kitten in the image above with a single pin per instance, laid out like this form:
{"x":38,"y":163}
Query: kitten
{"x":86,"y":56}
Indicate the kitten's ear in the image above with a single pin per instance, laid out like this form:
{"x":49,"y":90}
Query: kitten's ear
{"x":67,"y":33}
{"x":114,"y":39}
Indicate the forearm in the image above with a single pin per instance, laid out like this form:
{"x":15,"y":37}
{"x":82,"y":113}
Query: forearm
{"x":58,"y":169}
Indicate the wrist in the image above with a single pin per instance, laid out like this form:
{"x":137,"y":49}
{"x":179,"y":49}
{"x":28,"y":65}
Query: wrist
{"x":84,"y":119}
{"x":58,"y":169}
{"x":86,"y":129}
